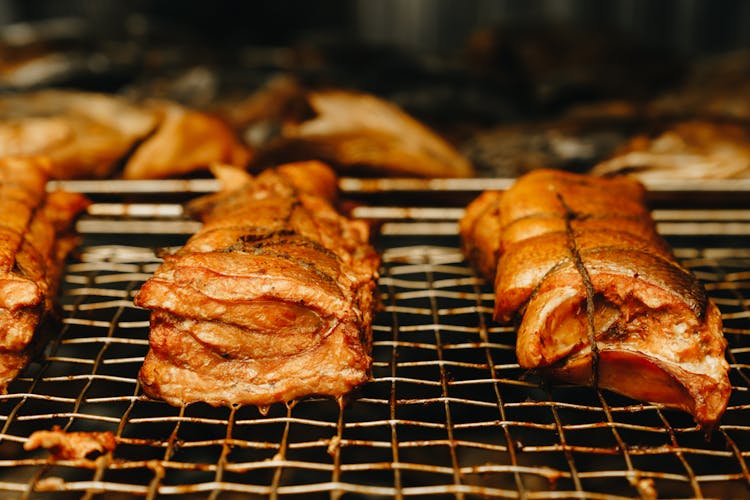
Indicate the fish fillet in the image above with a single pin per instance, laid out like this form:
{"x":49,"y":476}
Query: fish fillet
{"x":597,"y":293}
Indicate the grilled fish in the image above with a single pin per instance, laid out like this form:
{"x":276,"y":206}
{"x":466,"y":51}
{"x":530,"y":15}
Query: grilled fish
{"x":694,"y":149}
{"x":185,"y":141}
{"x":270,"y":301}
{"x":35,"y":237}
{"x":84,"y":134}
{"x":599,"y":297}
{"x":90,"y":135}
{"x":359,"y":134}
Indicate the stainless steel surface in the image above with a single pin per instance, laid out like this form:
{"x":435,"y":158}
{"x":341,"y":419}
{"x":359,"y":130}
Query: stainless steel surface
{"x":448,"y":412}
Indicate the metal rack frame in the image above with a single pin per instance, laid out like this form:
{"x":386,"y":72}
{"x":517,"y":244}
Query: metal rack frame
{"x":448,"y":411}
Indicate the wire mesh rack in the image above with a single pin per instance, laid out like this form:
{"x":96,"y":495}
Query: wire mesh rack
{"x":447,"y":413}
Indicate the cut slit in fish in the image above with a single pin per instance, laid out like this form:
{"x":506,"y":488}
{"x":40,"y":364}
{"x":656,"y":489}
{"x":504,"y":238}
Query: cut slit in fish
{"x":599,"y":298}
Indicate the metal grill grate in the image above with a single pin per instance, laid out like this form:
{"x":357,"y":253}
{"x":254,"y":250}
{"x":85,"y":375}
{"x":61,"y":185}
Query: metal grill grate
{"x":447,"y":413}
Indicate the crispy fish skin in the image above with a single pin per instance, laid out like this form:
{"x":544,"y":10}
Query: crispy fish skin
{"x":84,"y":134}
{"x":91,"y":135}
{"x":526,"y":263}
{"x":553,"y":193}
{"x":36,"y":238}
{"x":693,"y":149}
{"x":497,"y":219}
{"x":599,"y":296}
{"x":185,"y":140}
{"x":480,"y":232}
{"x":361,"y":133}
{"x":270,"y":301}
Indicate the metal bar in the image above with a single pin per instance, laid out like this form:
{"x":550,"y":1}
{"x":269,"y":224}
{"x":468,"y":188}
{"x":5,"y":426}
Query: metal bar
{"x":226,"y":448}
{"x":694,"y":484}
{"x":155,"y":486}
{"x":175,"y":210}
{"x":635,"y":477}
{"x":566,"y":449}
{"x":334,"y":449}
{"x":119,"y":186}
{"x":378,"y":185}
{"x":443,"y":382}
{"x":392,"y":393}
{"x":435,"y":350}
{"x":510,"y":446}
{"x":354,"y":185}
{"x":280,"y":455}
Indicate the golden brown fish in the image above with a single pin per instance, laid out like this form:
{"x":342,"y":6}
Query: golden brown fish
{"x":270,"y":301}
{"x":35,"y":237}
{"x":693,"y":149}
{"x":184,"y":141}
{"x":84,"y":134}
{"x":91,"y":135}
{"x":357,"y":133}
{"x":599,"y":296}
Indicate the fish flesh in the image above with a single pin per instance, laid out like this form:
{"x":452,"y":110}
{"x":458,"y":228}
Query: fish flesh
{"x":271,"y":301}
{"x":185,"y":141}
{"x":359,"y":134}
{"x":84,"y":134}
{"x":690,"y":150}
{"x":36,"y":235}
{"x":598,"y":295}
{"x":89,"y":135}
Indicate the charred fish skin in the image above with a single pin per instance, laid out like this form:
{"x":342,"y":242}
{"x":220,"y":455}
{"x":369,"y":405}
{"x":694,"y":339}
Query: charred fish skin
{"x":598,"y":295}
{"x":271,"y":301}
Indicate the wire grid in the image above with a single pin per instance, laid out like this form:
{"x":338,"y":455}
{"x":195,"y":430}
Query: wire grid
{"x":448,"y":411}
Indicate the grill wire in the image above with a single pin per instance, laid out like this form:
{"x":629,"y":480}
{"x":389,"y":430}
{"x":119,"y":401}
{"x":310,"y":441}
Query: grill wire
{"x":448,"y":411}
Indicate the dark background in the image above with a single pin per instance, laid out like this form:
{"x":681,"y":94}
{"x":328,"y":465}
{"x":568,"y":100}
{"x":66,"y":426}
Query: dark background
{"x":686,"y":26}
